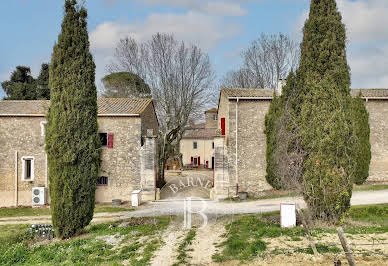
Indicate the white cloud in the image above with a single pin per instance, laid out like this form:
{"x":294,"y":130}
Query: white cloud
{"x":220,"y":8}
{"x":369,"y":66}
{"x":366,"y":23}
{"x":197,"y":28}
{"x":366,"y":20}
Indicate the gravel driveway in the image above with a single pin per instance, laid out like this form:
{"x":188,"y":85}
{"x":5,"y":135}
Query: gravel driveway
{"x":211,"y":208}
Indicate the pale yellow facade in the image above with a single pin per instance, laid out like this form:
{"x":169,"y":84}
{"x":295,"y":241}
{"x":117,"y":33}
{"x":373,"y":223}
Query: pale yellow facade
{"x":204,"y":153}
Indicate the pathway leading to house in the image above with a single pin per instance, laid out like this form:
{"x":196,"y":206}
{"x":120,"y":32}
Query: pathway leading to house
{"x":214,"y":208}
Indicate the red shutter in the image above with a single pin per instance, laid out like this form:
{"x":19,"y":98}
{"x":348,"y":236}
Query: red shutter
{"x":199,"y":161}
{"x":110,"y":141}
{"x":192,"y":161}
{"x":223,"y":126}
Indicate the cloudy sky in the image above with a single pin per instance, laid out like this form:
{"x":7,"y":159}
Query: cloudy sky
{"x":222,"y":28}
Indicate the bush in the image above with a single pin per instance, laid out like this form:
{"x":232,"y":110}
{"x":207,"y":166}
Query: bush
{"x":362,"y":148}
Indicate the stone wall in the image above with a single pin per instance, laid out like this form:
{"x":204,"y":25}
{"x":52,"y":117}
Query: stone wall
{"x":149,"y":121}
{"x":121,"y":164}
{"x":223,"y":112}
{"x":378,"y":121}
{"x":209,"y":120}
{"x":251,"y":146}
{"x":21,"y":135}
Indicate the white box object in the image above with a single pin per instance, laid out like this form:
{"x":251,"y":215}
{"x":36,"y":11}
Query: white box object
{"x":39,"y":196}
{"x":287,"y":215}
{"x":136,"y":198}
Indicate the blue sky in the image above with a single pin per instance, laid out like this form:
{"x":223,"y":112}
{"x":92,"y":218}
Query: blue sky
{"x":29,"y":29}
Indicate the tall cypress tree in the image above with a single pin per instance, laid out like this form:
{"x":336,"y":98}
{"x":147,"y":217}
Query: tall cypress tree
{"x":72,"y":142}
{"x":325,"y":128}
{"x":325,"y":120}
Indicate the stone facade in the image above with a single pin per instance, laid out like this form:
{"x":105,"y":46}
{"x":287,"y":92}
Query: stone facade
{"x":378,"y":121}
{"x":240,"y":154}
{"x":129,"y":165}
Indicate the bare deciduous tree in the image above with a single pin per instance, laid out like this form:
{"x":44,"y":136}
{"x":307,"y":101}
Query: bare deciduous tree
{"x":180,"y":77}
{"x":265,"y":61}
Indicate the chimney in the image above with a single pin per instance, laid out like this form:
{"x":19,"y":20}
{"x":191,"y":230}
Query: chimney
{"x":281,"y":84}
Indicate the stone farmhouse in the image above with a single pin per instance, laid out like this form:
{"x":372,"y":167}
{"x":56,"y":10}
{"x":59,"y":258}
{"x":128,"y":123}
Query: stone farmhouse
{"x":197,"y":143}
{"x":240,"y":145}
{"x":127,"y":129}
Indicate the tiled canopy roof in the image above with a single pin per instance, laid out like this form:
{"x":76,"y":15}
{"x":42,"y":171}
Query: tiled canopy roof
{"x":268,"y":93}
{"x":199,"y":133}
{"x":106,"y":107}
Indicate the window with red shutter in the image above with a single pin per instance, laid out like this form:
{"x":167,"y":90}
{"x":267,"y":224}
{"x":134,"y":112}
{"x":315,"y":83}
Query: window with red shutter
{"x":110,"y":141}
{"x":223,"y":126}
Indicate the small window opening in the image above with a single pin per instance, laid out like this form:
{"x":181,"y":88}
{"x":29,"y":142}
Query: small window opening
{"x":104,"y":139}
{"x":102,"y":181}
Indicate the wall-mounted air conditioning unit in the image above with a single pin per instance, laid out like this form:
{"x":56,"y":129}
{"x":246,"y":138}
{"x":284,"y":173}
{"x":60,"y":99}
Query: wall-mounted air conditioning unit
{"x":39,"y":196}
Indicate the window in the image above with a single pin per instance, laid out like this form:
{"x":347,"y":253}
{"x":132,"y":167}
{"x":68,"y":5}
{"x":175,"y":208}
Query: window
{"x":43,"y":128}
{"x":28,"y":168}
{"x":102,"y":181}
{"x":104,"y":139}
{"x":213,"y":145}
{"x":195,"y":145}
{"x":215,"y":117}
{"x":195,"y":163}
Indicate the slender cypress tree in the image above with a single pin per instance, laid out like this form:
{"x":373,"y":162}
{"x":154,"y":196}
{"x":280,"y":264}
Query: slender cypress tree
{"x":323,"y":127}
{"x":325,"y":120}
{"x":72,"y":142}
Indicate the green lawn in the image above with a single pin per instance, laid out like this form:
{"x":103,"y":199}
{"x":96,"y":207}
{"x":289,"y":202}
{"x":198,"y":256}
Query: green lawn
{"x":29,"y":211}
{"x":104,"y":244}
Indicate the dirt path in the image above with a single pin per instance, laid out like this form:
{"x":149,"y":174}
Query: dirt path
{"x":188,"y":184}
{"x":167,"y":254}
{"x":205,"y":242}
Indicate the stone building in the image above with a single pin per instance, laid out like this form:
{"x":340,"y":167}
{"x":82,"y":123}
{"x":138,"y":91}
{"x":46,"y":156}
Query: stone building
{"x":240,"y":145}
{"x":127,"y":129}
{"x":197,"y":143}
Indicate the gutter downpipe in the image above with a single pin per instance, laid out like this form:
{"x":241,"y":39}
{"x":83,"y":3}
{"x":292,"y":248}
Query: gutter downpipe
{"x":237,"y":189}
{"x":16,"y":179}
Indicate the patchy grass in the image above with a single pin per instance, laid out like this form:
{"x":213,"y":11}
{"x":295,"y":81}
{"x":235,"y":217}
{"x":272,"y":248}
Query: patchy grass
{"x":29,"y":211}
{"x":138,"y":240}
{"x":373,"y":214}
{"x":246,"y":236}
{"x":370,"y":187}
{"x":183,"y":248}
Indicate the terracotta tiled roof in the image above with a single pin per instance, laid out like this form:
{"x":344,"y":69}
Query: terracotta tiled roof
{"x":199,"y":133}
{"x":122,"y":105}
{"x":213,"y":110}
{"x":106,"y":107}
{"x":251,"y":93}
{"x":370,"y":92}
